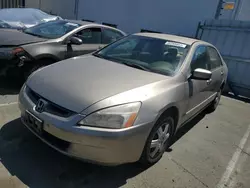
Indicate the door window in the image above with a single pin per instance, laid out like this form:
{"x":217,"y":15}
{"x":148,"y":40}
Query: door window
{"x":110,"y":35}
{"x":200,"y":59}
{"x":214,"y":58}
{"x":90,"y":35}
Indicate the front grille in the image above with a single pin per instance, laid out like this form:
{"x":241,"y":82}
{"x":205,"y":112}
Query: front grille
{"x":32,"y":95}
{"x":51,"y":108}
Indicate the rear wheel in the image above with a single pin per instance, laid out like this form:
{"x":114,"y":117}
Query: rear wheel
{"x":212,"y":107}
{"x":32,"y":68}
{"x":158,"y":140}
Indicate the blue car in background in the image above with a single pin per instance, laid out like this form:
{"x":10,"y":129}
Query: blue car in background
{"x":21,"y":18}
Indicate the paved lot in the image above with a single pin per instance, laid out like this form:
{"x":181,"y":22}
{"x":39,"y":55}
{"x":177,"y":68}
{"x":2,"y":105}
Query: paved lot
{"x":211,"y":151}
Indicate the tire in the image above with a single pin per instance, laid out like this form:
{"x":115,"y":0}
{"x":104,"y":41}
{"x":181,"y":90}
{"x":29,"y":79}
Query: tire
{"x":155,"y":145}
{"x":38,"y":65}
{"x":31,"y":70}
{"x":212,"y":107}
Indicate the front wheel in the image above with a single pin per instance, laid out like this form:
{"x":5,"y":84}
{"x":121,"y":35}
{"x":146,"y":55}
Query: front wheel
{"x":158,"y":140}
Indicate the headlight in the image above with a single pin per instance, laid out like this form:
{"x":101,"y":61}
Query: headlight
{"x":117,"y":117}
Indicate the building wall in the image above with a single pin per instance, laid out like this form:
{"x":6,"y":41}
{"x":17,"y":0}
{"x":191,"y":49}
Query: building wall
{"x":63,"y":8}
{"x":32,"y":3}
{"x":169,"y":16}
{"x":241,"y":11}
{"x":244,"y":11}
{"x":11,"y":4}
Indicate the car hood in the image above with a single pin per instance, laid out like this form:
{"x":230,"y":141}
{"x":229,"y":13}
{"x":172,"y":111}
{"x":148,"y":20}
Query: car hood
{"x":79,"y":82}
{"x":10,"y":37}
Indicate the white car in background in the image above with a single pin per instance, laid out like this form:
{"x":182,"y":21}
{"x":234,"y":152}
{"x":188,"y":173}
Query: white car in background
{"x":21,"y":18}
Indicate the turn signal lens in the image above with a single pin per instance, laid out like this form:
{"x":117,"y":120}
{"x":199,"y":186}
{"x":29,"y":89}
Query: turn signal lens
{"x":17,"y":50}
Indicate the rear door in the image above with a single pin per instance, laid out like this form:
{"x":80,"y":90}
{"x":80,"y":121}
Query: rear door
{"x":217,"y":70}
{"x":92,"y":41}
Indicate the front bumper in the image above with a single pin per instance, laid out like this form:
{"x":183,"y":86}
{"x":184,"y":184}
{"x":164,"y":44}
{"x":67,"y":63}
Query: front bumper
{"x":95,"y":145}
{"x":10,"y":64}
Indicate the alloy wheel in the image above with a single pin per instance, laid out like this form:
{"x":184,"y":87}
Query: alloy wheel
{"x":159,"y":140}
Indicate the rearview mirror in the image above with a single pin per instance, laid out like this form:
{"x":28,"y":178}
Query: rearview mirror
{"x":75,"y":40}
{"x":201,"y":74}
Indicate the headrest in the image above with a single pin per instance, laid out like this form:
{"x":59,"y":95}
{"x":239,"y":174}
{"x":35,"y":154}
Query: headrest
{"x":173,"y":51}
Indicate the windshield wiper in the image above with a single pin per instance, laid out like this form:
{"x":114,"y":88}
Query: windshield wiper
{"x":122,"y":61}
{"x":136,"y":66}
{"x":98,"y":55}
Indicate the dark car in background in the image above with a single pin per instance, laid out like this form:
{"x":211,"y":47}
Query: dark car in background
{"x":21,"y":18}
{"x":30,"y":49}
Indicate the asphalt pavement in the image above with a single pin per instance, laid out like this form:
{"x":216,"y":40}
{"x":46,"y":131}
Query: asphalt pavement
{"x":213,"y":150}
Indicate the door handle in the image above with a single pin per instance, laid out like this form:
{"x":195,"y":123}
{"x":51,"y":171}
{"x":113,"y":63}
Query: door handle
{"x":209,"y":81}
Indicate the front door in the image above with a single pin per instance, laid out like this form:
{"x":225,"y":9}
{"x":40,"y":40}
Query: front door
{"x":199,"y":90}
{"x":91,"y":38}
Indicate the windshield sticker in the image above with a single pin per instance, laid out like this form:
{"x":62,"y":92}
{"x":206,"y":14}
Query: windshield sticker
{"x":72,"y":24}
{"x":176,"y":44}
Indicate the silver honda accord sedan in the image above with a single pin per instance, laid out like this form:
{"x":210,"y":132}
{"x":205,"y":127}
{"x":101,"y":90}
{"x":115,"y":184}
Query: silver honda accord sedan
{"x":125,"y":102}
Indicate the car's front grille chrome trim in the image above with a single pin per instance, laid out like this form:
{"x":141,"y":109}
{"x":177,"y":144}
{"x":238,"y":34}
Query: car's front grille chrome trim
{"x":51,"y":107}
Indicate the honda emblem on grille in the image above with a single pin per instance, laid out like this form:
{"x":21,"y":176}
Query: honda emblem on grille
{"x":40,"y":105}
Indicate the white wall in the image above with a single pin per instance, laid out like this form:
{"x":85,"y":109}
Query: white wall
{"x":169,"y":16}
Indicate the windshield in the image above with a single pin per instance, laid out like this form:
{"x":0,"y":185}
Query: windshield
{"x":150,"y":54}
{"x":52,"y":30}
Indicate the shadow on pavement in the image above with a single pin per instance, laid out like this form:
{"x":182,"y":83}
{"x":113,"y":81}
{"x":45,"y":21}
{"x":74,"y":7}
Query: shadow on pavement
{"x":39,"y":166}
{"x":10,"y":86}
{"x":243,"y":99}
{"x":187,"y":127}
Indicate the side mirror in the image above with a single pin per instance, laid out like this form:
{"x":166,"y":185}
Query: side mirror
{"x":201,"y":74}
{"x":75,"y":40}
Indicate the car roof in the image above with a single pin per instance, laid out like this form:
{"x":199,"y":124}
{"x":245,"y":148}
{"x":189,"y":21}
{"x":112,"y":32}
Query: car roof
{"x":88,"y":23}
{"x":79,"y":22}
{"x":185,"y":40}
{"x":82,"y":23}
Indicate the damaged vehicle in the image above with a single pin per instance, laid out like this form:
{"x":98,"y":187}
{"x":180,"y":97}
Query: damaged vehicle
{"x":22,"y":52}
{"x":22,"y":18}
